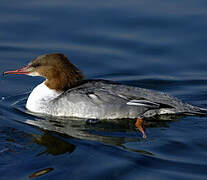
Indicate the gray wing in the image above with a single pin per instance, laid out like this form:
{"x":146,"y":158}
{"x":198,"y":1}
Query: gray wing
{"x":140,"y":96}
{"x":105,"y":95}
{"x":107,"y":100}
{"x":132,"y":95}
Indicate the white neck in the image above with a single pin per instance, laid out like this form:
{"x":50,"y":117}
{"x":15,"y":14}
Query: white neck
{"x":40,"y":97}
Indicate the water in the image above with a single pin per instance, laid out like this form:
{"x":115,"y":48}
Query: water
{"x":156,"y":45}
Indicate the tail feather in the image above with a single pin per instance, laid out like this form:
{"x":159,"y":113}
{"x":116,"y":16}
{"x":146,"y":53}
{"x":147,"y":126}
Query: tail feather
{"x":198,"y":112}
{"x":203,"y":111}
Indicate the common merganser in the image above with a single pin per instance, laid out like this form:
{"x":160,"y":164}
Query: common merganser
{"x":66,"y":93}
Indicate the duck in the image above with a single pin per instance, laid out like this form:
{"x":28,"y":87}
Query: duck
{"x":66,"y":93}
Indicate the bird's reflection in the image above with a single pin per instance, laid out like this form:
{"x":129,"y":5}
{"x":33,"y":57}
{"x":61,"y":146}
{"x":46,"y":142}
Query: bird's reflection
{"x":116,"y":133}
{"x":52,"y":144}
{"x":104,"y":132}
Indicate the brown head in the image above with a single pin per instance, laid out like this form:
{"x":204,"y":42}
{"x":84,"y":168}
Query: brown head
{"x":59,"y":72}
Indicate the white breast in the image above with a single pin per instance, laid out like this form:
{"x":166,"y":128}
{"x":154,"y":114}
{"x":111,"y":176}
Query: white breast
{"x":40,"y":97}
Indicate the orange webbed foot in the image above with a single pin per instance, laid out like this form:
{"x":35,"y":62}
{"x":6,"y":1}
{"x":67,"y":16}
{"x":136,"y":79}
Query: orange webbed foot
{"x":138,"y":124}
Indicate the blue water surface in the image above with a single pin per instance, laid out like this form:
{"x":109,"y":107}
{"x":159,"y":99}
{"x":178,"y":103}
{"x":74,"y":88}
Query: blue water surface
{"x":158,"y":45}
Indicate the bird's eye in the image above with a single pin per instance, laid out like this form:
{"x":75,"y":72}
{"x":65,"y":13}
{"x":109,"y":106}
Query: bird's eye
{"x":35,"y":65}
